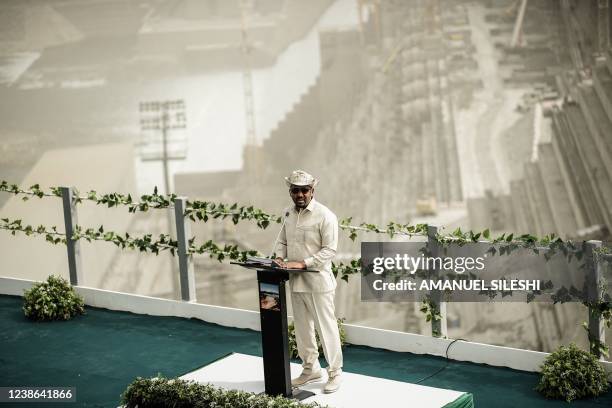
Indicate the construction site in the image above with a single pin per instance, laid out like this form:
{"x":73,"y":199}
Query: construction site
{"x":481,"y":114}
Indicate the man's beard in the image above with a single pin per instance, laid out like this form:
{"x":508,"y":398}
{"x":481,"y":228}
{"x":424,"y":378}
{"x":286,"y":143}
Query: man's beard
{"x":304,"y":204}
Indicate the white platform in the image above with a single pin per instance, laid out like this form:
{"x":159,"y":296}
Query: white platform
{"x":245,"y":373}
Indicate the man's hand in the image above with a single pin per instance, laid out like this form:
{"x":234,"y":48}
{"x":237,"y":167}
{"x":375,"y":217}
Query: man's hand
{"x":295,"y":265}
{"x":280,"y":263}
{"x":290,"y":264}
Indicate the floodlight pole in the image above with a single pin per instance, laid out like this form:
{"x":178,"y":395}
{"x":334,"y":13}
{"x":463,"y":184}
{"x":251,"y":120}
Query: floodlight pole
{"x":164,"y":124}
{"x":164,"y":130}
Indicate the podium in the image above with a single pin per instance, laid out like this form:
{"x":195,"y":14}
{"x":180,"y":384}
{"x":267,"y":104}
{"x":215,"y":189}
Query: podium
{"x":274,"y":335}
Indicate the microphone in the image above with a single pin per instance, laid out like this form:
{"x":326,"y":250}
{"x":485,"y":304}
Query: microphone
{"x":279,"y":232}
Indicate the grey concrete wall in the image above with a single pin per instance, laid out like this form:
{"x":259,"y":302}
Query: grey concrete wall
{"x":574,"y":142}
{"x":556,"y":192}
{"x":589,"y":152}
{"x":599,"y":125}
{"x":524,"y":217}
{"x":538,"y":201}
{"x":104,"y":168}
{"x":560,"y":127}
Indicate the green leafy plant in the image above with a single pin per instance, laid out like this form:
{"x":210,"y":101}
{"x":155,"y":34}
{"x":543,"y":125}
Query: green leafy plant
{"x":570,"y":373}
{"x":143,"y":244}
{"x":597,"y":347}
{"x":54,"y":299}
{"x":346,"y":270}
{"x":504,"y":244}
{"x":431,"y":311}
{"x":164,"y":392}
{"x":293,"y":351}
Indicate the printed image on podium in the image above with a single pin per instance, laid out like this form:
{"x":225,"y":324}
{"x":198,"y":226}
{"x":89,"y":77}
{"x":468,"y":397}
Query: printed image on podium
{"x":269,"y":298}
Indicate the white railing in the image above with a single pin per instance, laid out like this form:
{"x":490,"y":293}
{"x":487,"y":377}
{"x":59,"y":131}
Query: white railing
{"x":519,"y":359}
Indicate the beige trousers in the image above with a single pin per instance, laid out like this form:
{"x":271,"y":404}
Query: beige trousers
{"x":316,"y":311}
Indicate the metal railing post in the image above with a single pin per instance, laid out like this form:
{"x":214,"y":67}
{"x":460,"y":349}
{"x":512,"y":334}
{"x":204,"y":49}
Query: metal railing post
{"x":183,"y":234}
{"x":596,"y":325}
{"x":438,"y":327}
{"x":73,"y":247}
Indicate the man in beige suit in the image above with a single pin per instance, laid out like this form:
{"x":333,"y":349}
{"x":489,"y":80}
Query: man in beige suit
{"x":308,"y":240}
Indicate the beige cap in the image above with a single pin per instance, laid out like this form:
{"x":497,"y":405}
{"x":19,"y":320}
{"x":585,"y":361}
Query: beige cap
{"x":301,"y":178}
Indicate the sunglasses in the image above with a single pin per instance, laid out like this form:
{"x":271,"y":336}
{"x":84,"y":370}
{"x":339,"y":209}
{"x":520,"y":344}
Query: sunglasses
{"x":295,"y":190}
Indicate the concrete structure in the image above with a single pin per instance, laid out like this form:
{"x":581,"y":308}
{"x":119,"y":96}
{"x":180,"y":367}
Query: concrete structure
{"x":206,"y":34}
{"x":377,"y":127}
{"x":103,"y":168}
{"x":97,"y":42}
{"x":567,"y":185}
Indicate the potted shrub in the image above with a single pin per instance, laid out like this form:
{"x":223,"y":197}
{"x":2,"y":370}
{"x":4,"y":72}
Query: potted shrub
{"x":162,"y":392}
{"x":53,"y":299}
{"x":570,"y":373}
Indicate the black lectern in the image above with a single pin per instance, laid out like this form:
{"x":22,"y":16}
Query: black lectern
{"x":274,"y":337}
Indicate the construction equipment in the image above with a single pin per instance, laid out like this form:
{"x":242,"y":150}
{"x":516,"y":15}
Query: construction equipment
{"x":517,"y":38}
{"x":252,"y":152}
{"x":426,"y":206}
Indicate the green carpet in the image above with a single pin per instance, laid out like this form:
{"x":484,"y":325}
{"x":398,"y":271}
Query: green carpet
{"x":102,"y":352}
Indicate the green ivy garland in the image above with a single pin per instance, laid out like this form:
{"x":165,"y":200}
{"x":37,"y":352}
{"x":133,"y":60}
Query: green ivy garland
{"x":143,"y":244}
{"x":203,"y":211}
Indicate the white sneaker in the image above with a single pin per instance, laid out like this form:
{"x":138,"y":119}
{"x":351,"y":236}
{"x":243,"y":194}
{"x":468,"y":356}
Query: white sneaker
{"x":333,"y":384}
{"x":306,"y":378}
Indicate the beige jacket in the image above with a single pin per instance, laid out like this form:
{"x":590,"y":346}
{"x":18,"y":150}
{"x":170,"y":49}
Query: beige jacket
{"x":312,"y":236}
